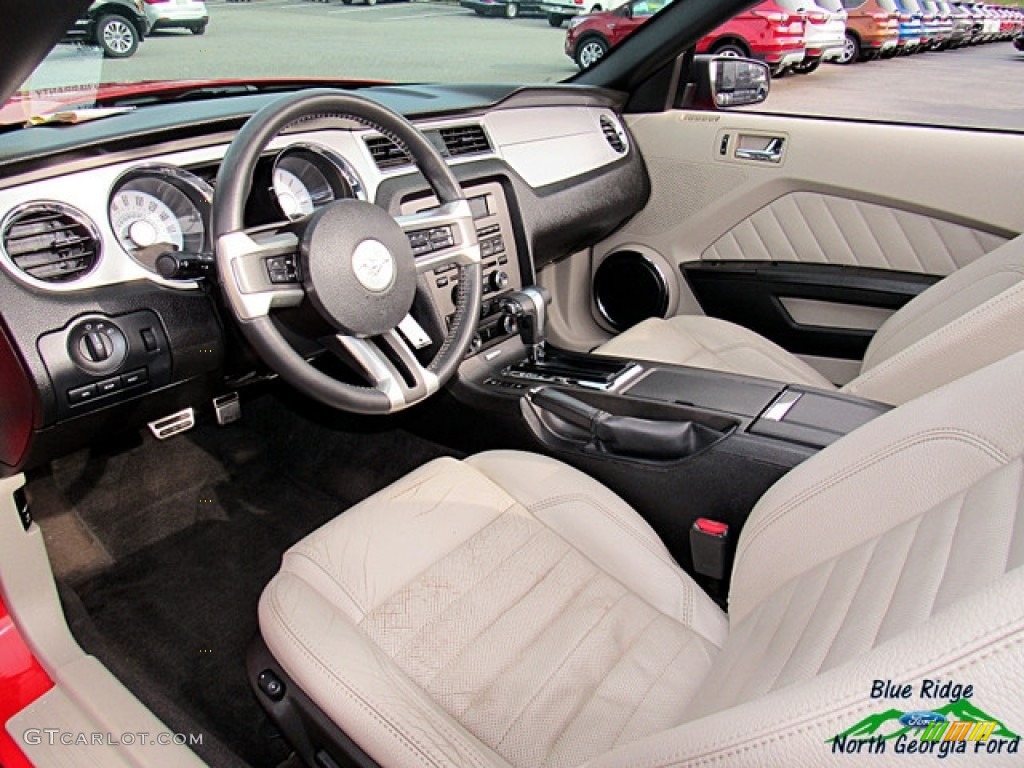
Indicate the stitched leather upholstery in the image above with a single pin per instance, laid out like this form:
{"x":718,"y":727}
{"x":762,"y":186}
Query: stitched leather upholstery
{"x":508,"y":610}
{"x":826,"y":229}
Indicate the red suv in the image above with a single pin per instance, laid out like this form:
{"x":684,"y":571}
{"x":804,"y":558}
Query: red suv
{"x":768,"y":32}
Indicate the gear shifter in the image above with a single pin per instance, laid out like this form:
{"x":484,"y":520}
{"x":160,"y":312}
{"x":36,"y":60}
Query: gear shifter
{"x":529,"y":308}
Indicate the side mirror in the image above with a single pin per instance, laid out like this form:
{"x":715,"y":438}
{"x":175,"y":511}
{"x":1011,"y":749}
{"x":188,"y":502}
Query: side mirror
{"x":726,"y":81}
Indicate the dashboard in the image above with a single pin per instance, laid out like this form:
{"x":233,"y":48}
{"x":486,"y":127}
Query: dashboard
{"x":110,"y":312}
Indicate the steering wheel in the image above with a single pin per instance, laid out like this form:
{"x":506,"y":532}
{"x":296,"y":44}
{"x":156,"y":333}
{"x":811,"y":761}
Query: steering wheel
{"x":350,"y":260}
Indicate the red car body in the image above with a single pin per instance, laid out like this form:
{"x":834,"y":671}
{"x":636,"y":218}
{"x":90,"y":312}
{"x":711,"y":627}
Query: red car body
{"x":768,"y":32}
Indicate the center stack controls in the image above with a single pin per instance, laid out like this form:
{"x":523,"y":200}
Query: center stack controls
{"x":500,"y":271}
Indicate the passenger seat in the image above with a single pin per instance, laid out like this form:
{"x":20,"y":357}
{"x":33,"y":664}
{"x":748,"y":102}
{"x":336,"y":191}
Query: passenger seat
{"x":966,"y":321}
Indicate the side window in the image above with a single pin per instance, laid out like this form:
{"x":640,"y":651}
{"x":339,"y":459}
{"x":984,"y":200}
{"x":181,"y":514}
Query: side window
{"x":927,"y":62}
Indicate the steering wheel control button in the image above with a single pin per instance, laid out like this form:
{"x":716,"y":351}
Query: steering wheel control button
{"x":373,"y":265}
{"x":282,"y":269}
{"x":97,"y":346}
{"x":430,"y":240}
{"x":357,"y":268}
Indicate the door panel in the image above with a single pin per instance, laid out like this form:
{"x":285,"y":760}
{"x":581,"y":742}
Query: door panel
{"x":895,"y":198}
{"x":828,"y":229}
{"x":837,"y":308}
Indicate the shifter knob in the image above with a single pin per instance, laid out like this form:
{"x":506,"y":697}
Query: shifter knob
{"x":529,"y":308}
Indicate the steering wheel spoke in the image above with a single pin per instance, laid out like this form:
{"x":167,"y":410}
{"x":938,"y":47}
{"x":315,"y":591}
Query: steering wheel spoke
{"x":442,"y":235}
{"x":390,"y":367}
{"x":263,"y":266}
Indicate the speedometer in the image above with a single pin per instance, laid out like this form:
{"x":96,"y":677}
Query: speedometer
{"x":140,"y":220}
{"x":156,"y":209}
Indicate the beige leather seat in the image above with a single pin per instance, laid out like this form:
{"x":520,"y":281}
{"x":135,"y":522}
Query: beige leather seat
{"x":969,"y":319}
{"x":508,"y":610}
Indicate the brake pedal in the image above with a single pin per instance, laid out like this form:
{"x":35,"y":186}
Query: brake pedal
{"x":228,"y":408}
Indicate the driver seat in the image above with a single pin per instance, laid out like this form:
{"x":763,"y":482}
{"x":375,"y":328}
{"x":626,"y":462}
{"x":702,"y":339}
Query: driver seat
{"x":507,"y":610}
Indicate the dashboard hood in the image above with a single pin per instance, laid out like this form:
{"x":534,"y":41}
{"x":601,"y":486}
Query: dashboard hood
{"x":28,"y":33}
{"x":22,"y":106}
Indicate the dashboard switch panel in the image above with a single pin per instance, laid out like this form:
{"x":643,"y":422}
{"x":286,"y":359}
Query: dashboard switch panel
{"x":98,"y":360}
{"x":499,"y":260}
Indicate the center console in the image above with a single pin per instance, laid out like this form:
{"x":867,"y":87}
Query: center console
{"x":678,"y":443}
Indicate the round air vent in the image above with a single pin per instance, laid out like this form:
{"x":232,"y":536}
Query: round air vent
{"x":628,"y":288}
{"x":614,"y":134}
{"x":51,"y":242}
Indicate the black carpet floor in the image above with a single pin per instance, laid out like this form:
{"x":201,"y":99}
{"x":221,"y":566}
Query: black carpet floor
{"x":191,"y":551}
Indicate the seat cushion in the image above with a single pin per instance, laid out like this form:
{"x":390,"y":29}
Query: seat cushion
{"x":707,"y":342}
{"x":503,"y":609}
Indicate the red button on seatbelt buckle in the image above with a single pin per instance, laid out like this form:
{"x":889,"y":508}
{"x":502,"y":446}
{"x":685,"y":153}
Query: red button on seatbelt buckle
{"x":709,"y":547}
{"x":711,"y":527}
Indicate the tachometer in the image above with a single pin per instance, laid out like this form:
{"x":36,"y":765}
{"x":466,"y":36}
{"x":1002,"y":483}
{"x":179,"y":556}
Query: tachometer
{"x":155,"y":209}
{"x":293,"y":196}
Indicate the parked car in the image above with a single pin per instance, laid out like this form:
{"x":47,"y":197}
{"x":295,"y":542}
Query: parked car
{"x":872,"y":29}
{"x":177,"y":14}
{"x":963,"y":24}
{"x":937,"y":28}
{"x":510,"y":9}
{"x":590,"y":37}
{"x":911,"y":27}
{"x":116,"y":26}
{"x":977,"y":34}
{"x":1018,"y":41}
{"x":772,"y":32}
{"x":824,"y":33}
{"x":769,"y":32}
{"x":558,"y":11}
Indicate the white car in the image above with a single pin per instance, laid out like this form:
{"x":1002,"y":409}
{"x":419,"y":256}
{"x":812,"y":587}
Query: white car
{"x":824,"y":32}
{"x":178,"y":14}
{"x":558,"y":11}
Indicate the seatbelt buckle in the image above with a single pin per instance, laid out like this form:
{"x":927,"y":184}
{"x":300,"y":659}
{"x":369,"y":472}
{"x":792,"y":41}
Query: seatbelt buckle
{"x":709,"y":547}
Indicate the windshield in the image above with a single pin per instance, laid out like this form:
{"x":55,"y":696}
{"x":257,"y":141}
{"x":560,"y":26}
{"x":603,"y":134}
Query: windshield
{"x":404,"y":42}
{"x":131,"y":53}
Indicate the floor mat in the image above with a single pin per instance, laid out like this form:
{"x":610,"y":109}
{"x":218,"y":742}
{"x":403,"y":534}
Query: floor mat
{"x":182,"y":609}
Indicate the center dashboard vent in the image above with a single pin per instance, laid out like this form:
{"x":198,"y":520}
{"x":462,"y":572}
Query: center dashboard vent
{"x":454,"y":141}
{"x":614,"y":134}
{"x":51,"y":242}
{"x":465,"y":140}
{"x":386,"y":154}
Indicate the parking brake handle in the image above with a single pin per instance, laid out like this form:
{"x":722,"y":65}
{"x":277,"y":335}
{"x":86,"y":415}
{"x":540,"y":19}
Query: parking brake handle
{"x":657,"y":439}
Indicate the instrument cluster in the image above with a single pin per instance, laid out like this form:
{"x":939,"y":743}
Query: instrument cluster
{"x":158,"y":208}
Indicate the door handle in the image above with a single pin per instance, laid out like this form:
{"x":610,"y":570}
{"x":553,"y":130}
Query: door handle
{"x":771,"y":153}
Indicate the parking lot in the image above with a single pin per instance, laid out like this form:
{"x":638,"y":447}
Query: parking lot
{"x":972,"y":86}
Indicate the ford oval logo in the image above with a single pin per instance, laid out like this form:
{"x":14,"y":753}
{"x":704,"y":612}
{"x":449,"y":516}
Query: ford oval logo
{"x":921,"y":718}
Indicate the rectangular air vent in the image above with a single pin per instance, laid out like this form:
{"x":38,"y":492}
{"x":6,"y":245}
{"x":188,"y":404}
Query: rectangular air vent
{"x":465,"y":140}
{"x":386,"y":154}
